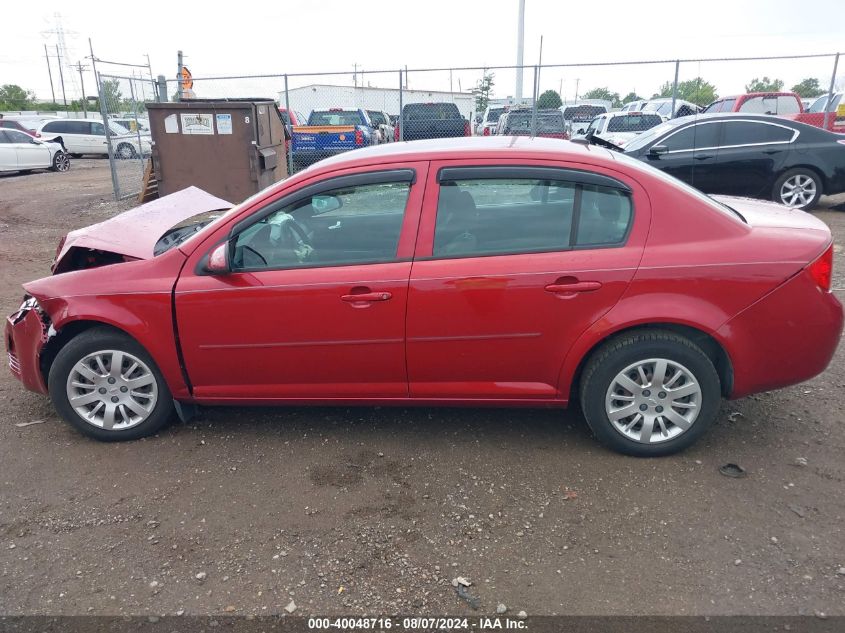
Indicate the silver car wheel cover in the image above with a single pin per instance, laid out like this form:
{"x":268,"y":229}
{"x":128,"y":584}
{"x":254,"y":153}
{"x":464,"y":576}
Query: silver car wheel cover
{"x":798,"y":191}
{"x":653,"y":401}
{"x":112,"y":390}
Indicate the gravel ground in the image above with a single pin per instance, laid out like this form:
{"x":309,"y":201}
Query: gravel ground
{"x":376,"y":510}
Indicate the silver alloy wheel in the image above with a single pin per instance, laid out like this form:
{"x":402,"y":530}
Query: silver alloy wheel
{"x":125,"y":152}
{"x":653,"y":400}
{"x":798,"y":191}
{"x":112,"y":390}
{"x":62,"y":162}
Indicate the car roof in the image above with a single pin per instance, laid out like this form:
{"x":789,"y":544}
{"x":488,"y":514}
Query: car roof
{"x":471,"y":147}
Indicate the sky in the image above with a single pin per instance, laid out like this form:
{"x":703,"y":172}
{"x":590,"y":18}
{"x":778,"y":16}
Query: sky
{"x":220,"y":38}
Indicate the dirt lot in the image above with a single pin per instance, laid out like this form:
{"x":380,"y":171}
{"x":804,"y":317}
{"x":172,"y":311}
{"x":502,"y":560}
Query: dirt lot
{"x":376,"y":510}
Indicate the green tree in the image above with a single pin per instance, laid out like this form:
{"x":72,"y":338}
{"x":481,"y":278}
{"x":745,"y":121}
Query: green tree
{"x":631,"y":96}
{"x":13,"y":97}
{"x":483,"y":90}
{"x":549,"y":99}
{"x":808,"y":88}
{"x":605,"y":94}
{"x":697,"y":90}
{"x":764,"y":85}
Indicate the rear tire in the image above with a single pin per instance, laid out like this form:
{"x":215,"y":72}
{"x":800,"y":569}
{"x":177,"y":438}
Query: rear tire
{"x":634,"y":411}
{"x":798,"y":188}
{"x":111,"y":402}
{"x":126,"y":151}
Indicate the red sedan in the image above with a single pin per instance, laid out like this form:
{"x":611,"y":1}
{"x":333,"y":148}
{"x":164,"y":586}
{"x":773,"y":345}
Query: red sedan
{"x":487,"y":271}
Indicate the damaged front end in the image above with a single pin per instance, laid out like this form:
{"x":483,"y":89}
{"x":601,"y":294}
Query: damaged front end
{"x":27,"y":332}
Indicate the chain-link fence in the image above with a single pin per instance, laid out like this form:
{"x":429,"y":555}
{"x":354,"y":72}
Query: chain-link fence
{"x":334,"y":112}
{"x":126,"y":133}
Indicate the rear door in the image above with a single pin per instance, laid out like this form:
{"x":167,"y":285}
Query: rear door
{"x":750,"y":156}
{"x":8,"y":155}
{"x":512,"y":265}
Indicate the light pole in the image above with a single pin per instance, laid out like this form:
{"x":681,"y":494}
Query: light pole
{"x":520,"y":45}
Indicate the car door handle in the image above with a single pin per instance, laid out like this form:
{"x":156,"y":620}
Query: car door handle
{"x":366,"y":297}
{"x":573,"y":287}
{"x":703,"y":156}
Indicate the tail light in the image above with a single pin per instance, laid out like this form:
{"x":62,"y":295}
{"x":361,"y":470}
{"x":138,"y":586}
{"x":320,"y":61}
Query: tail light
{"x":486,"y":131}
{"x":821,"y":270}
{"x":467,"y":129}
{"x":396,"y":132}
{"x":359,"y":137}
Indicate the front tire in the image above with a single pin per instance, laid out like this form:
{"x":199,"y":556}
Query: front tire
{"x":108,"y":387}
{"x":61,"y":162}
{"x":798,"y":188}
{"x":649,"y":393}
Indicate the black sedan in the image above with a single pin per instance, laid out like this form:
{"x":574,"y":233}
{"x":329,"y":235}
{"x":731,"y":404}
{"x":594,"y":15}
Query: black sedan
{"x":757,"y":156}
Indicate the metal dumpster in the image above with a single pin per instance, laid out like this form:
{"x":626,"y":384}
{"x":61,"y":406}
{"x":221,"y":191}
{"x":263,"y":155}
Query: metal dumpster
{"x":231,"y":148}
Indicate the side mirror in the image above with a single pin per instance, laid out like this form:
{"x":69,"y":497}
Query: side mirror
{"x":657,"y":150}
{"x":324,"y":204}
{"x":580,"y":130}
{"x":218,"y":260}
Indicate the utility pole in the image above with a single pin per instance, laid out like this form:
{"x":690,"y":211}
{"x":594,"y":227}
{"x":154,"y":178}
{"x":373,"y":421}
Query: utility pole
{"x":539,"y":69}
{"x":179,"y":76}
{"x":355,"y":74}
{"x":50,"y":73}
{"x":577,"y":81}
{"x":61,"y":76}
{"x":79,"y":67}
{"x":520,"y":45}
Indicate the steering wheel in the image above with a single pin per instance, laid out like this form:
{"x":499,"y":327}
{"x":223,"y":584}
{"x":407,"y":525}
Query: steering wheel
{"x":298,"y":231}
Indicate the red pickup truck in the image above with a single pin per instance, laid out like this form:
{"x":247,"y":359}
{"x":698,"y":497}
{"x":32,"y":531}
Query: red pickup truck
{"x":814,"y":115}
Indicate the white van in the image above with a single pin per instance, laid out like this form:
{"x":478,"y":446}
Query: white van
{"x":83,"y":136}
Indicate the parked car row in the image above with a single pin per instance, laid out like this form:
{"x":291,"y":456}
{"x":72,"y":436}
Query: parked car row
{"x":20,"y":151}
{"x":753,"y":155}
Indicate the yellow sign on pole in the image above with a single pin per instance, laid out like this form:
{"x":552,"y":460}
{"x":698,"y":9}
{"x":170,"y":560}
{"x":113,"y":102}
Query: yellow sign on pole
{"x":187,"y":79}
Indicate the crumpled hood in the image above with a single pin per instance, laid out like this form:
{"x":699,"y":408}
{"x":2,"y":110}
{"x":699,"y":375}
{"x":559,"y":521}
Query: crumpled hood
{"x":133,"y":234}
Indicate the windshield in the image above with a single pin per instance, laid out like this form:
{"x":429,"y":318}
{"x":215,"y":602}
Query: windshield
{"x":177,"y":234}
{"x":493,"y":114}
{"x":431,"y":111}
{"x":335,"y":117}
{"x":633,"y":122}
{"x":818,"y":104}
{"x":583,"y":112}
{"x":376,"y":118}
{"x":680,"y":184}
{"x":649,"y":135}
{"x":546,"y":122}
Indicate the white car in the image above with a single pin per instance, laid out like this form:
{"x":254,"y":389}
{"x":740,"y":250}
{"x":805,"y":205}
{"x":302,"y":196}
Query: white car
{"x":489,"y":120}
{"x":663,"y":107}
{"x":620,"y":128}
{"x":634,"y":106}
{"x":21,"y":152}
{"x":132,"y":124}
{"x":85,"y":136}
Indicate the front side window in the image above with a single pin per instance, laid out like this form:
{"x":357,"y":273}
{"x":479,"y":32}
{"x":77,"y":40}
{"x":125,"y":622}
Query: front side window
{"x":501,"y":216}
{"x":97,"y":129}
{"x":3,"y":137}
{"x":693,"y":137}
{"x":352,"y":225}
{"x":18,"y":137}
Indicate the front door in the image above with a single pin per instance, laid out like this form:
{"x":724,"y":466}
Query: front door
{"x":31,"y":154}
{"x":751,"y":153}
{"x":513,"y":264}
{"x":314,"y":305}
{"x":691,"y":155}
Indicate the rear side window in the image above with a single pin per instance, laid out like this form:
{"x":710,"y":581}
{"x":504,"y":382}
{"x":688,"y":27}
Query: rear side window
{"x":788,"y":105}
{"x":56,"y":127}
{"x":633,"y":122}
{"x":502,"y":216}
{"x":751,"y":132}
{"x":760,"y":105}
